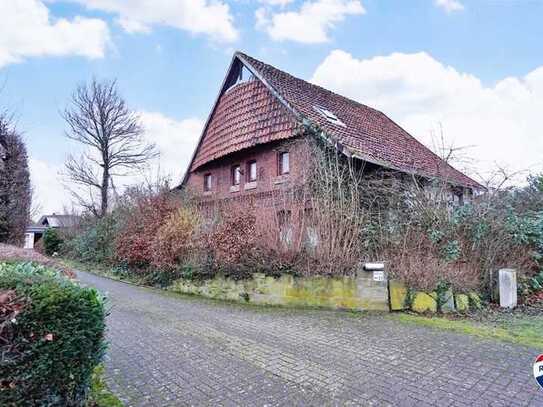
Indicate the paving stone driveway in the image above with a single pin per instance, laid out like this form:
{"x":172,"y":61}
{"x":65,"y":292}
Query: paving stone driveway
{"x":168,"y":350}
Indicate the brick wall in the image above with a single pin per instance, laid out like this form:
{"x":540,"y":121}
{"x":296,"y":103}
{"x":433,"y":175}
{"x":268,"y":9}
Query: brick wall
{"x":268,"y":179}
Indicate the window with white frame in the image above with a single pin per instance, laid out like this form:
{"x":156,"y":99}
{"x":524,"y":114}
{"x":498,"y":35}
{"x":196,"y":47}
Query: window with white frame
{"x":251,"y":171}
{"x":311,"y":234}
{"x":207,"y":182}
{"x":283,"y":163}
{"x":284,"y":219}
{"x":236,"y":175}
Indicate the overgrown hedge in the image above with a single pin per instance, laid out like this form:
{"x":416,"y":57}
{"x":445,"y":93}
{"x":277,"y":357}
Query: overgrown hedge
{"x":51,"y":337}
{"x":349,"y":217}
{"x":52,"y":242}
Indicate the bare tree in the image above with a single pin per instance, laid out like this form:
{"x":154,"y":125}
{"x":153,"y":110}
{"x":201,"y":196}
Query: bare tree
{"x":99,"y":119}
{"x":501,"y":178}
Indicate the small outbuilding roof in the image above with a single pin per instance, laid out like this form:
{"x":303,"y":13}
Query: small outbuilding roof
{"x":34,"y":228}
{"x":59,"y":221}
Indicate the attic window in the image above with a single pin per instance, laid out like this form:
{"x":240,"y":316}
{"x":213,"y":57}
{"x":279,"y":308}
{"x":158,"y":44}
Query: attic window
{"x":240,"y":76}
{"x":330,"y":116}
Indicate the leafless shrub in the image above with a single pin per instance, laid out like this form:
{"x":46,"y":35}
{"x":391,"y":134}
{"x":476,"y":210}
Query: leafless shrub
{"x":176,"y":239}
{"x":141,"y":212}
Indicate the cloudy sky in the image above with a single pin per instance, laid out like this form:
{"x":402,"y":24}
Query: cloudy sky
{"x":471,"y":68}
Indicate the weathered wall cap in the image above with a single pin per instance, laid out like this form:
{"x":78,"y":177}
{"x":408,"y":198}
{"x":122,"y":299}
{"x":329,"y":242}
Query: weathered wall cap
{"x":374,"y":266}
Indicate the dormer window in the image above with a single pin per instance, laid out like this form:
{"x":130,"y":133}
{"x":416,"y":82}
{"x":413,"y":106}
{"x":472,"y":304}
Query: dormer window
{"x":329,"y":116}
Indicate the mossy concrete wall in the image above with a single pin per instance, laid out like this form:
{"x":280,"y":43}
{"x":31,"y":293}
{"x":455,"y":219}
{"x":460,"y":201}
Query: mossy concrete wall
{"x":401,"y":299}
{"x":398,"y":295}
{"x":351,"y":293}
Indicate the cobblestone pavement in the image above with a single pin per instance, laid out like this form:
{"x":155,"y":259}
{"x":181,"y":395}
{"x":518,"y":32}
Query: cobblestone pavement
{"x":169,"y":350}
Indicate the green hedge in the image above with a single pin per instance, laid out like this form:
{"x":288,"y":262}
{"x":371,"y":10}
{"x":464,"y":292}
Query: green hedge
{"x":94,"y":242}
{"x":52,"y":242}
{"x":55,"y":342}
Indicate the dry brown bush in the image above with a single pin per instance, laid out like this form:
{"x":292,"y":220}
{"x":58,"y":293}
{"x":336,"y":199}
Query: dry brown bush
{"x":313,"y":224}
{"x":176,"y":238}
{"x":143,"y":212}
{"x":418,"y":263}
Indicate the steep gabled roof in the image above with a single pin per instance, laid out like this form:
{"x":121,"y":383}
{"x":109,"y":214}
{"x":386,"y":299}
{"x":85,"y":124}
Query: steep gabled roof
{"x":362,"y":132}
{"x":245,"y":115}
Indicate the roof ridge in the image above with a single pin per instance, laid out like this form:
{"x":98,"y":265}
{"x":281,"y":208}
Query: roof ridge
{"x":309,"y":83}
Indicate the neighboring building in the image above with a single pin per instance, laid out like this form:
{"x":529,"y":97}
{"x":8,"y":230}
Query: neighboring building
{"x":59,"y":221}
{"x":35,"y":231}
{"x":248,"y":145}
{"x":33,"y":234}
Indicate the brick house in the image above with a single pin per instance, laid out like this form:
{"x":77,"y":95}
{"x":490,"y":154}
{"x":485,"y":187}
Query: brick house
{"x":249,"y":145}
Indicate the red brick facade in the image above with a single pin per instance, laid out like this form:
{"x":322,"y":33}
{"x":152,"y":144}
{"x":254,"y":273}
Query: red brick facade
{"x":268,"y":177}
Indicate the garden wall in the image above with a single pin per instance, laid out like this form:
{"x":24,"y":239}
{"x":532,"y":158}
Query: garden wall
{"x":359,"y":293}
{"x":401,"y":299}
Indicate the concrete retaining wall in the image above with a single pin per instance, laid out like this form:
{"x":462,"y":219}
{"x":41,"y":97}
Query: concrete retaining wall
{"x":366,"y":291}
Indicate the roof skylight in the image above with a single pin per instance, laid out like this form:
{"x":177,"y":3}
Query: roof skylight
{"x":330,"y":116}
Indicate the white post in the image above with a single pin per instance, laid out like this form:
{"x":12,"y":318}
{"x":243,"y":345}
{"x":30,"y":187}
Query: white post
{"x":508,"y":288}
{"x":29,"y":240}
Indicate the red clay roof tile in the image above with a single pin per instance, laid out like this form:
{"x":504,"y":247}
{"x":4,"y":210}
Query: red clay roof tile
{"x":245,"y":115}
{"x":368,"y":133}
{"x":254,"y":113}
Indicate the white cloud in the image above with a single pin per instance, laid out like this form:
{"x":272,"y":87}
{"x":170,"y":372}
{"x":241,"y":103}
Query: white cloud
{"x":501,"y":122}
{"x":449,"y":5}
{"x":281,"y":3}
{"x":311,"y":23}
{"x":175,"y":140}
{"x":49,"y":192}
{"x":28,"y":31}
{"x":212,"y":18}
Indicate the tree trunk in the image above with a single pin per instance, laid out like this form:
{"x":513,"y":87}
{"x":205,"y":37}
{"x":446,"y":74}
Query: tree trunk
{"x":104,"y":192}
